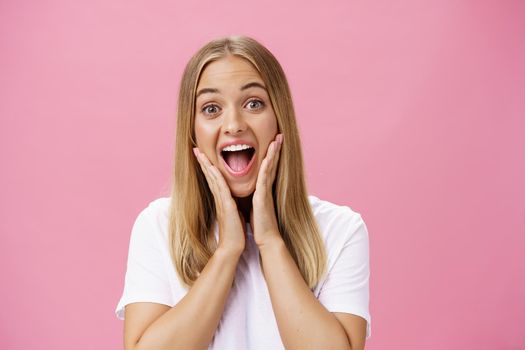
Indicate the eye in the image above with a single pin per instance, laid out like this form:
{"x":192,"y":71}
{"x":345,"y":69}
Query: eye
{"x":210,"y":109}
{"x":256,"y":104}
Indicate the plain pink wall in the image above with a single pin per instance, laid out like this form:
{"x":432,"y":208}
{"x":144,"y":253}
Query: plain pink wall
{"x":411,"y":112}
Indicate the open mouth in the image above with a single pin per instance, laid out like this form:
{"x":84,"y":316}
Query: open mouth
{"x":238,"y":159}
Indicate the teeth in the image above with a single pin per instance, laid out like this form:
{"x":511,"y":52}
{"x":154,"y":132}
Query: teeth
{"x":233,"y":148}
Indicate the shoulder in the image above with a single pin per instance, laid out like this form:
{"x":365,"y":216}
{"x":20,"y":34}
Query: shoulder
{"x":345,"y":235}
{"x":153,"y":219}
{"x":334,"y":219}
{"x":159,"y":206}
{"x":157,"y":210}
{"x":340,"y":227}
{"x":324,"y":207}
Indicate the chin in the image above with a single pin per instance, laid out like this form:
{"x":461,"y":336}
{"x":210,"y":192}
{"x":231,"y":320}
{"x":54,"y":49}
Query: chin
{"x":241,"y":191}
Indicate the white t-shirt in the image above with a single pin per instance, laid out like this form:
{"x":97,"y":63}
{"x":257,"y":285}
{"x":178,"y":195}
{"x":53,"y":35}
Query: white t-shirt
{"x":248,"y":321}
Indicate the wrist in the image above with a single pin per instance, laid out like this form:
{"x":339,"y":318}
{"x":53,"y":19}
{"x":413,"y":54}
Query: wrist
{"x":229,"y":252}
{"x":272,"y":243}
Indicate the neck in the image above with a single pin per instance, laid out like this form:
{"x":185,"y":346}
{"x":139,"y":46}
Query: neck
{"x":244,"y":204}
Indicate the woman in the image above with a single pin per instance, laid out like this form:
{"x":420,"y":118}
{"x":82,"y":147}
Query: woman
{"x":240,"y":257}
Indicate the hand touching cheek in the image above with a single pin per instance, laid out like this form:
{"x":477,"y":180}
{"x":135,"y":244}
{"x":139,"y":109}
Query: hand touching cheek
{"x":231,"y":222}
{"x":263,"y":219}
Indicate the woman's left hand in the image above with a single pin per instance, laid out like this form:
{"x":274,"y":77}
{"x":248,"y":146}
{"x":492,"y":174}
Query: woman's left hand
{"x":262,"y":218}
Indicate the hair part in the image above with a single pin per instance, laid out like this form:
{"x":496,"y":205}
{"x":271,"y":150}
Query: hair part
{"x":192,"y":212}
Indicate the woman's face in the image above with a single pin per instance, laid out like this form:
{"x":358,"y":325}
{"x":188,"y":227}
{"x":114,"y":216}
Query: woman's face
{"x":233,"y":108}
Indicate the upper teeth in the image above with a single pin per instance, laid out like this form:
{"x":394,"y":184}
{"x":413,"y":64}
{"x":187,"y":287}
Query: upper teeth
{"x":235,"y":148}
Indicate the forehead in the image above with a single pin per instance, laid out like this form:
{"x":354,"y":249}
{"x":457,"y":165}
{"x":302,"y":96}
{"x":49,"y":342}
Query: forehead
{"x":231,"y":69}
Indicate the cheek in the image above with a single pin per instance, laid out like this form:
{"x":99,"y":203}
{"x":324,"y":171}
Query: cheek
{"x":200,"y":132}
{"x":206,"y":136}
{"x":267,"y":130}
{"x":265,"y":123}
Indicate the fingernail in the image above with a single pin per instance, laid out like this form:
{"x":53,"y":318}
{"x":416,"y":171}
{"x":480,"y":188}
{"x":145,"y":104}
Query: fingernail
{"x":280,"y":138}
{"x":195,"y":151}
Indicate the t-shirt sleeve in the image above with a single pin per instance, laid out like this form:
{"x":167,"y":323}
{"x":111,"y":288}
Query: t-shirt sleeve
{"x":146,"y":277}
{"x":346,"y":287}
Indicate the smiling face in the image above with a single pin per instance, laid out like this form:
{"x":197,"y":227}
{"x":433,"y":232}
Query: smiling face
{"x":233,"y":108}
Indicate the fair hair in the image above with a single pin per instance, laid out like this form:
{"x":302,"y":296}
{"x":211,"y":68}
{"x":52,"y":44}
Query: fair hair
{"x":192,"y":211}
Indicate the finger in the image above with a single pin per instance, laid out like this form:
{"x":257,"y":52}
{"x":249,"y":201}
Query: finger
{"x":276,"y":156}
{"x":202,"y":166}
{"x":221,"y":184}
{"x":214,"y":172}
{"x":200,"y":158}
{"x":217,"y":176}
{"x":223,"y":190}
{"x":261,"y":177}
{"x":269,"y":164}
{"x":210,"y":178}
{"x":267,"y":167}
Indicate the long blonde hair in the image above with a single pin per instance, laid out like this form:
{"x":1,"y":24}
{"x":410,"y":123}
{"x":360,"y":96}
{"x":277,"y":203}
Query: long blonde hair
{"x":192,"y":212}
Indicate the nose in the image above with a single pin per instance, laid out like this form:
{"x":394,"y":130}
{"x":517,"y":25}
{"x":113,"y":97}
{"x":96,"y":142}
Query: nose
{"x":234,"y":122}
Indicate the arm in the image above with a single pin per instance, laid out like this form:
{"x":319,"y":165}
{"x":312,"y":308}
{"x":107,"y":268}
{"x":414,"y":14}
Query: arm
{"x":355,"y":327}
{"x":303,"y":322}
{"x":192,"y":322}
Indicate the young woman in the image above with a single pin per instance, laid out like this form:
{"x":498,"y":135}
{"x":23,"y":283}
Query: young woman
{"x":240,"y":256}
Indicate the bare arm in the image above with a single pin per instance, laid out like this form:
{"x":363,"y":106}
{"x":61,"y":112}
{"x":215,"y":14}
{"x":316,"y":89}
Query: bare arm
{"x":303,"y":322}
{"x":191,"y":323}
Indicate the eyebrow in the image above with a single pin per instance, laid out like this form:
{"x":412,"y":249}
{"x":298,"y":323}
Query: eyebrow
{"x":244,"y":87}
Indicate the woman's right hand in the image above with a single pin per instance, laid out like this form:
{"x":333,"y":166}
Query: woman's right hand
{"x":231,"y":222}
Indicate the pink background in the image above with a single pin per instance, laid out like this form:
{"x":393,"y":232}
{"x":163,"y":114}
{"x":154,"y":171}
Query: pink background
{"x":411,"y":112}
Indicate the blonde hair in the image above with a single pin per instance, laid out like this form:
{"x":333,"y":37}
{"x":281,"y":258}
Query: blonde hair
{"x":192,"y":212}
